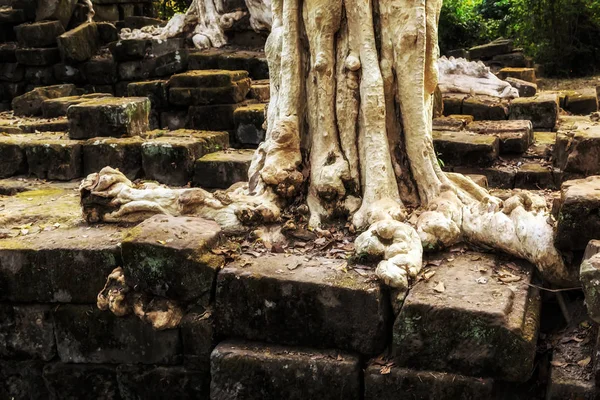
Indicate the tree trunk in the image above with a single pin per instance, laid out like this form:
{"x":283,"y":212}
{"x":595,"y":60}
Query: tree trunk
{"x":352,"y":85}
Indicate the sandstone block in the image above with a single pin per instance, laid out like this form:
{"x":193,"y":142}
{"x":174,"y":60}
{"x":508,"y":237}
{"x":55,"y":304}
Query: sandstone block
{"x":212,"y":118}
{"x":85,"y":334}
{"x":60,"y":10}
{"x":22,"y":380}
{"x":55,"y":159}
{"x":39,"y":76}
{"x":125,"y":154}
{"x":53,"y":108}
{"x":73,"y":381}
{"x":453,"y":104}
{"x":31,"y":102}
{"x":139,"y":49}
{"x":170,"y":257}
{"x":159,"y":66}
{"x":39,"y":34}
{"x":68,"y":73}
{"x":106,"y":12}
{"x":515,"y":59}
{"x":11,"y":16}
{"x":515,"y":136}
{"x":541,"y":110}
{"x":589,"y":275}
{"x":198,"y":338}
{"x":155,"y":90}
{"x":289,"y":300}
{"x":7,"y":52}
{"x":582,"y":103}
{"x":484,"y":108}
{"x":146,"y":382}
{"x":79,"y":44}
{"x":466,"y":148}
{"x":253,"y":371}
{"x":249,"y":122}
{"x":26,"y":331}
{"x":253,"y":62}
{"x":526,"y":89}
{"x":222,"y":169}
{"x":524,"y":74}
{"x":471,"y":322}
{"x":497,"y":177}
{"x":109,"y":117}
{"x":489,"y":50}
{"x":100,"y":71}
{"x":11,"y":72}
{"x":108,"y":32}
{"x":12,"y":157}
{"x":260,"y":91}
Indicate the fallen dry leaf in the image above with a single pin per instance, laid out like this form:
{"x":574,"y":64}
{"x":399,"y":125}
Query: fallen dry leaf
{"x":558,"y":363}
{"x":584,"y":362}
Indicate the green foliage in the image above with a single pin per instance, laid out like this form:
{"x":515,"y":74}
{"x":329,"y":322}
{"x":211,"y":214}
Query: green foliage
{"x":167,"y":8}
{"x":562,"y":35}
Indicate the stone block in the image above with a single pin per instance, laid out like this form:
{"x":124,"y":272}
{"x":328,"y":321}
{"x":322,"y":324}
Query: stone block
{"x":589,"y":275}
{"x":140,"y":49}
{"x":26,"y":331}
{"x":222,"y":169}
{"x":578,"y":213}
{"x":252,"y":61}
{"x":106,"y":12}
{"x":155,"y":90}
{"x":63,"y":265}
{"x":212,"y":118}
{"x":450,"y":124}
{"x":526,"y":89}
{"x":108,"y":32}
{"x":85,"y":334}
{"x":535,"y":176}
{"x":12,"y":157}
{"x":249,"y":122}
{"x":31,"y":103}
{"x":79,"y":44}
{"x":515,"y":136}
{"x":38,"y":57}
{"x":198,"y":338}
{"x":484,"y":108}
{"x":260,"y":91}
{"x":235,"y":93}
{"x":22,"y":380}
{"x":13,"y":89}
{"x":124,"y":154}
{"x":53,"y":108}
{"x":11,"y":72}
{"x":39,"y":34}
{"x":69,"y":74}
{"x":453,"y":104}
{"x":73,"y":381}
{"x":171,"y":157}
{"x":54,"y":159}
{"x":60,"y":10}
{"x":524,"y":74}
{"x":138,"y":22}
{"x":289,"y":300}
{"x":109,"y":117}
{"x":7,"y":52}
{"x":11,"y":16}
{"x":156,"y":382}
{"x":207,"y":78}
{"x":466,"y":320}
{"x":253,"y":371}
{"x":55,"y":125}
{"x":99,"y":89}
{"x":515,"y":59}
{"x":489,"y":50}
{"x":174,"y":119}
{"x":541,"y":110}
{"x":37,"y":76}
{"x":100,"y":71}
{"x":401,"y":383}
{"x":582,"y":103}
{"x":466,"y":148}
{"x":171,"y":257}
{"x":159,"y":66}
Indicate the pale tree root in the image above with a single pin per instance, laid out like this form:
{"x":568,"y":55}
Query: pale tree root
{"x":119,"y":298}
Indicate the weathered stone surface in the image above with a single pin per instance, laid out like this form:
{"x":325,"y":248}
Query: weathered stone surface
{"x":170,"y":157}
{"x":249,"y":122}
{"x":534,"y":176}
{"x":125,"y":154}
{"x":253,"y":371}
{"x":85,"y":334}
{"x":60,"y":10}
{"x":489,"y":50}
{"x":55,"y":159}
{"x":109,"y":117}
{"x":466,"y":320}
{"x":39,"y":34}
{"x":466,"y":148}
{"x":448,"y":123}
{"x":12,"y":157}
{"x":402,"y":383}
{"x":541,"y":110}
{"x":578,"y":214}
{"x":222,"y":169}
{"x":73,"y":381}
{"x":139,"y":49}
{"x":515,"y":136}
{"x":524,"y":74}
{"x":526,"y":89}
{"x":41,"y":125}
{"x":542,"y":146}
{"x":160,"y":66}
{"x":174,"y":119}
{"x":146,"y":382}
{"x":260,"y":91}
{"x":198,"y":338}
{"x":212,"y":118}
{"x":37,"y":76}
{"x":61,"y":265}
{"x":22,"y":380}
{"x":11,"y":16}
{"x":13,"y":89}
{"x":7,"y":52}
{"x":138,"y":22}
{"x":106,"y":12}
{"x":515,"y":59}
{"x":11,"y":72}
{"x":234,"y":93}
{"x":497,"y":177}
{"x":290,"y":300}
{"x":582,"y":103}
{"x":171,"y":257}
{"x":53,"y":108}
{"x":108,"y":32}
{"x":79,"y":44}
{"x":453,"y":103}
{"x":68,"y":73}
{"x":589,"y":275}
{"x":253,"y":62}
{"x":484,"y":108}
{"x":101,"y":71}
{"x":99,"y":89}
{"x":31,"y":102}
{"x":26,"y":331}
{"x":155,"y":90}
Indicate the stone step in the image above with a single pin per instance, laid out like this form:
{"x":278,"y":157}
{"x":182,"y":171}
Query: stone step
{"x":466,"y":148}
{"x":79,"y":44}
{"x":222,"y":169}
{"x":252,"y":61}
{"x":515,"y":136}
{"x":53,"y":108}
{"x":140,"y":49}
{"x":114,"y":117}
{"x":489,"y":50}
{"x":55,"y":10}
{"x":254,"y":371}
{"x":208,"y":87}
{"x":296,"y":301}
{"x":30,"y":103}
{"x":477,"y":315}
{"x":576,"y":152}
{"x":39,"y":34}
{"x":581,"y":102}
{"x":541,"y":110}
{"x":260,"y":91}
{"x":524,"y":74}
{"x":249,"y":120}
{"x":59,"y":124}
{"x":526,"y":89}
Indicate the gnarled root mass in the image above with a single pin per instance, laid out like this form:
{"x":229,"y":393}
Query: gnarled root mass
{"x":350,"y":117}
